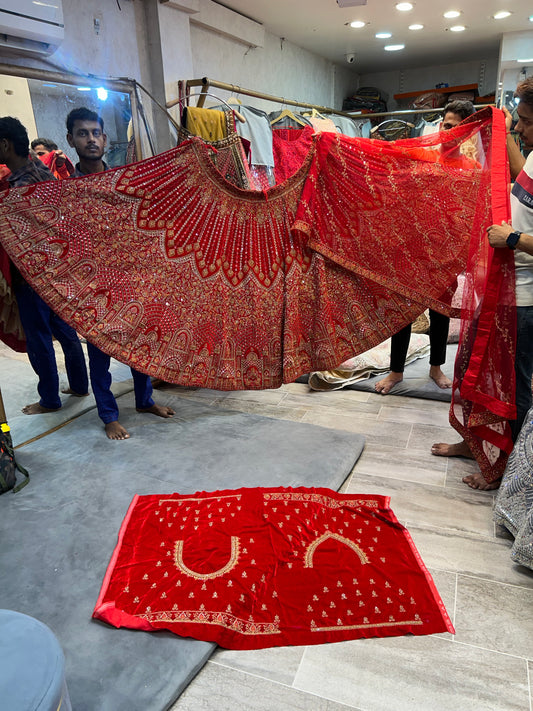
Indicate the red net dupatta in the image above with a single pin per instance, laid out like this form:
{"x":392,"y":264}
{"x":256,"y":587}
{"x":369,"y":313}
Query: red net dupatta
{"x":254,"y":568}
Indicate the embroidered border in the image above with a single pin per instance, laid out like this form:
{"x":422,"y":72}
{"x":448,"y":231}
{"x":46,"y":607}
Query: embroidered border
{"x":234,"y":558}
{"x":310,"y":551}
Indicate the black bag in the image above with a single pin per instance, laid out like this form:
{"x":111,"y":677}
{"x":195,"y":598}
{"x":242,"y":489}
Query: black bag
{"x":8,"y":465}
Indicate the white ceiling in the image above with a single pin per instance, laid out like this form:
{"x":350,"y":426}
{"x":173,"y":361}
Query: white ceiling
{"x":320,"y":27}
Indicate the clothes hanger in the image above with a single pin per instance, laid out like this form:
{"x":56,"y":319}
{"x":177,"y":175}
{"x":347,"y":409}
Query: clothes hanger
{"x":287,"y":113}
{"x":238,"y":115}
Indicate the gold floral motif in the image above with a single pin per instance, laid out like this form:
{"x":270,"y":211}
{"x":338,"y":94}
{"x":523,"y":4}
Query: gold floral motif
{"x":309,"y":553}
{"x":234,"y":558}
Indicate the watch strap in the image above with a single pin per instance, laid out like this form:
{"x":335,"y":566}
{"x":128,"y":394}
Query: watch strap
{"x":512,"y":239}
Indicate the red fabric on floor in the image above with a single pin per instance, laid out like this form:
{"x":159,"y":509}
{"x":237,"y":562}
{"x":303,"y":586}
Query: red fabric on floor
{"x":253,"y":568}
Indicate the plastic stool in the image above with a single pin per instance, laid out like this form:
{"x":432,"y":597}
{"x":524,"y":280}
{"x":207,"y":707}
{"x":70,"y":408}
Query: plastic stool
{"x":32,"y":664}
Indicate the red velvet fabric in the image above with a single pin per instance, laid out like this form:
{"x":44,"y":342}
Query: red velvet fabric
{"x":167,"y":266}
{"x":253,"y":568}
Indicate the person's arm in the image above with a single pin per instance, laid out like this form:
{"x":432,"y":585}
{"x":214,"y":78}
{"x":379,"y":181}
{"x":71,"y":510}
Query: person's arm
{"x":516,"y":159}
{"x":497,"y":236}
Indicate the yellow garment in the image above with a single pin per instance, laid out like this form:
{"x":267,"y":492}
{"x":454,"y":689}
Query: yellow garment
{"x":208,"y":124}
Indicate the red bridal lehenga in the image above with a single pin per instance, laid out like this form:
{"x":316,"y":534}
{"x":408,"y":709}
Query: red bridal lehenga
{"x":253,"y":568}
{"x":167,"y":266}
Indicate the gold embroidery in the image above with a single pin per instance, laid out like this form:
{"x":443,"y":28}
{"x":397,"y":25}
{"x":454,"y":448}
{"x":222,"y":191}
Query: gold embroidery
{"x":314,"y":628}
{"x":308,"y":559}
{"x":234,"y":557}
{"x":206,"y":617}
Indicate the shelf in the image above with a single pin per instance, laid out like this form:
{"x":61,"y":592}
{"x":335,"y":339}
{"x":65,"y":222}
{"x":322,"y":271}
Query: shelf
{"x":443,"y":90}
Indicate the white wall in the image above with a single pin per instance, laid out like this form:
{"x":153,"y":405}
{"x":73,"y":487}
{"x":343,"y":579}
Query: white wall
{"x":483,"y":72}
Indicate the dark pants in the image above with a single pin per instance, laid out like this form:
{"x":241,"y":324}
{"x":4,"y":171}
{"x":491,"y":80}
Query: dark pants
{"x":523,"y":365}
{"x":99,"y":363}
{"x":40,"y":324}
{"x":438,"y":338}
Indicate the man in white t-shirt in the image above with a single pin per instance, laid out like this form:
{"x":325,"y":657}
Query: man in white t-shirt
{"x":517,"y":236}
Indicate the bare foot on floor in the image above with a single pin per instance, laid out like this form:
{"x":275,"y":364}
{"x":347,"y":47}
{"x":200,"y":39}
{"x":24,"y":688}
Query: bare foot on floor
{"x":389,"y":381}
{"x":436,"y":374}
{"x":70,"y":391}
{"x":37,"y":409}
{"x":114,"y":430}
{"x":460,"y":449}
{"x":159,"y":410}
{"x":477,"y":481}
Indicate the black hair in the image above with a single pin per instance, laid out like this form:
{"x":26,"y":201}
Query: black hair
{"x":46,"y":142}
{"x":14,"y":131}
{"x":462,"y":108}
{"x":524,"y":91}
{"x":83,"y":114}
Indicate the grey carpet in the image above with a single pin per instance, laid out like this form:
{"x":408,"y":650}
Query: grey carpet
{"x":19,"y":388}
{"x":59,"y":532}
{"x":416,"y":381}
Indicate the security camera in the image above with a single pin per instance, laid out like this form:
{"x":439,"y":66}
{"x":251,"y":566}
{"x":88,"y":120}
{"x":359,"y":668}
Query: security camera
{"x":350,"y":58}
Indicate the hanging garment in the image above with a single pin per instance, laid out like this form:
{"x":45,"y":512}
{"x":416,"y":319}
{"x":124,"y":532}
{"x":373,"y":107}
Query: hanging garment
{"x":291,"y":147}
{"x":355,"y":128}
{"x":255,"y":568}
{"x":167,"y":266}
{"x":513,"y":507}
{"x":205,"y":123}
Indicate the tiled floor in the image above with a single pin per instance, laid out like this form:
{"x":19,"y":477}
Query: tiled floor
{"x":486,"y":666}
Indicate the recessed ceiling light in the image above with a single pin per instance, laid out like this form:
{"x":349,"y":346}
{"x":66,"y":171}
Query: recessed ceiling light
{"x":531,"y":18}
{"x":84,"y":88}
{"x":404,"y":6}
{"x":451,"y":14}
{"x":458,"y":28}
{"x":416,"y":27}
{"x":357,"y":23}
{"x":394,"y":47}
{"x":529,"y":60}
{"x":383,"y":35}
{"x":501,"y":15}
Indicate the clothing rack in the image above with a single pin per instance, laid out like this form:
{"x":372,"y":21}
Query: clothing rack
{"x":205,"y":83}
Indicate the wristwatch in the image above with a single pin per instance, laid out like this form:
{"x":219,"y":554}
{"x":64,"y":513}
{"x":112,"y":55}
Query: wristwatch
{"x":512,"y":239}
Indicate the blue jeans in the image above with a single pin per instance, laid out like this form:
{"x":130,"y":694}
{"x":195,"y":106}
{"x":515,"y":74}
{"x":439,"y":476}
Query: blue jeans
{"x":106,"y":404}
{"x":523,"y":365}
{"x":40,"y":324}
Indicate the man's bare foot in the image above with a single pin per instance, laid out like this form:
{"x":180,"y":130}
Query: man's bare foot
{"x":37,"y":409}
{"x":477,"y":481}
{"x":114,"y":430}
{"x":436,"y":374}
{"x":389,"y":381}
{"x":460,"y":449}
{"x":70,"y":391}
{"x":159,"y":410}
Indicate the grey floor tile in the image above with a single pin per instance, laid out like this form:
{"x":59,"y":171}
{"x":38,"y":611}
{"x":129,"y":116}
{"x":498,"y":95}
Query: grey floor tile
{"x":279,"y":412}
{"x":219,"y":688}
{"x":400,"y":463}
{"x":423,"y":436}
{"x":416,"y":403}
{"x":432,"y":507}
{"x":268,"y":397}
{"x":344,"y":401}
{"x":391,"y":433}
{"x":393,"y":413}
{"x":408,"y":673}
{"x":470,"y":554}
{"x":495,"y":616}
{"x":276,"y":664}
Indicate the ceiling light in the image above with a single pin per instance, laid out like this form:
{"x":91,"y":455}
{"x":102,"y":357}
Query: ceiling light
{"x":404,"y":6}
{"x":531,"y":18}
{"x":383,"y":35}
{"x":84,"y":88}
{"x":458,"y":28}
{"x":501,"y":15}
{"x":357,"y":24}
{"x":529,"y":60}
{"x":451,"y":14}
{"x":394,"y":47}
{"x":416,"y":27}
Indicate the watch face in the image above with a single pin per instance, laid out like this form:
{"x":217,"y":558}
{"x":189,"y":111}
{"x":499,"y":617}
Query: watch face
{"x":512,"y":239}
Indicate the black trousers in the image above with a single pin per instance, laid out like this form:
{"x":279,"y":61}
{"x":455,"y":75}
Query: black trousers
{"x":438,"y":338}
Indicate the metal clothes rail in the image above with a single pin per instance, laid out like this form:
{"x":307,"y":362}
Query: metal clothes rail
{"x":205,"y":84}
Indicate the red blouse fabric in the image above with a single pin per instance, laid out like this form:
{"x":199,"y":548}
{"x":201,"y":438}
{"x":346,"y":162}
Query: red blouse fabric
{"x":254,"y":568}
{"x":167,"y":266}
